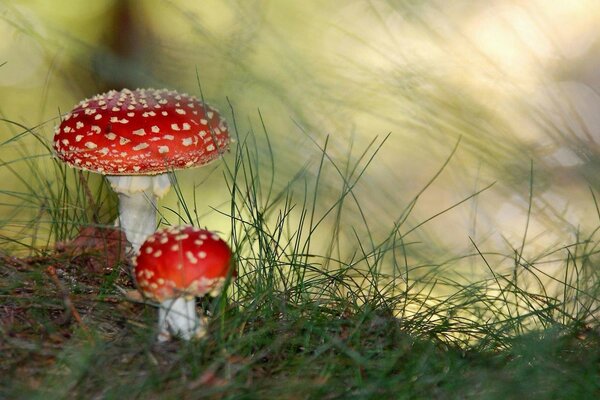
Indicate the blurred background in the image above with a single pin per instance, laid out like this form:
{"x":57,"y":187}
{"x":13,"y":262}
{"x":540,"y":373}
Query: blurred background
{"x":515,"y":83}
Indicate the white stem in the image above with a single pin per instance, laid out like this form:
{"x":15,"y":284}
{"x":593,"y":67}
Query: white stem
{"x":138,"y":196}
{"x":137,"y":217}
{"x":178,"y":317}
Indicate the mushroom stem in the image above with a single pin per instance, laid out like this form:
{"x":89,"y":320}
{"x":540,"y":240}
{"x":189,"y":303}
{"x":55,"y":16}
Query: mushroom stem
{"x":137,"y":217}
{"x":138,"y":196}
{"x":178,"y":317}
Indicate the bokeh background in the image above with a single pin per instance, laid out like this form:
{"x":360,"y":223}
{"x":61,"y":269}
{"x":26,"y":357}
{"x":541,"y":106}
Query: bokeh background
{"x":515,"y":83}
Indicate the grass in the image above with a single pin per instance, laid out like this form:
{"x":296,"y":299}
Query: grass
{"x":304,"y":319}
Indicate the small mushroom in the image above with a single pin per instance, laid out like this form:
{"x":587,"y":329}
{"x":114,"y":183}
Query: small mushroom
{"x":136,"y":138}
{"x":174,"y":266}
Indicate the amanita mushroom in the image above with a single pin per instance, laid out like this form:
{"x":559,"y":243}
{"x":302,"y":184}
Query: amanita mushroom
{"x":135,"y":138}
{"x":174,"y":266}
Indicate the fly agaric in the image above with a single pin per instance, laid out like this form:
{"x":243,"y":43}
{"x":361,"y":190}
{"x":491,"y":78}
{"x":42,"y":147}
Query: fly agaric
{"x":136,"y":138}
{"x":174,"y":266}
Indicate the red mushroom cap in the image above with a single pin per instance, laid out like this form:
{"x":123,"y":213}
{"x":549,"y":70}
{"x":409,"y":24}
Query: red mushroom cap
{"x":139,"y":132}
{"x":182,"y":261}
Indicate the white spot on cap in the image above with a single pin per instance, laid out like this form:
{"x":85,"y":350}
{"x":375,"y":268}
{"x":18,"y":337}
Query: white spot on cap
{"x":202,"y":254}
{"x":186,"y":141}
{"x":139,"y":132}
{"x":67,"y":129}
{"x":116,"y":109}
{"x":136,"y":168}
{"x":65,"y":142}
{"x":175,"y":127}
{"x":141,"y":146}
{"x":103,"y":151}
{"x":186,"y":126}
{"x":123,"y":141}
{"x":110,"y":136}
{"x":164,"y":113}
{"x":117,"y":120}
{"x":210,"y":147}
{"x":203,"y":121}
{"x":180,"y":111}
{"x":149,"y":250}
{"x":98,"y":116}
{"x":190,"y":257}
{"x":155,"y":129}
{"x":131,"y":114}
{"x":161,"y":149}
{"x":168,"y":137}
{"x":91,"y":145}
{"x":210,"y":114}
{"x":96,"y":129}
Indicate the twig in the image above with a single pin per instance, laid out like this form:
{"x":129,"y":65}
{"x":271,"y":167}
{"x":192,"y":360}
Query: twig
{"x":72,"y":311}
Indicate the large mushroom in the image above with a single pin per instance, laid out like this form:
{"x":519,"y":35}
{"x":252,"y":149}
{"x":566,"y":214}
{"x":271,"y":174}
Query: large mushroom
{"x":174,"y":266}
{"x":136,"y":138}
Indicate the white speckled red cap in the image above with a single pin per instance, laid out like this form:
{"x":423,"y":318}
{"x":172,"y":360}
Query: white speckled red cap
{"x":140,"y":132}
{"x":182,"y":261}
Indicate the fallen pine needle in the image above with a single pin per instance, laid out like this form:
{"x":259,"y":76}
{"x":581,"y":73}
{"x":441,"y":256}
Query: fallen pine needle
{"x":70,"y":308}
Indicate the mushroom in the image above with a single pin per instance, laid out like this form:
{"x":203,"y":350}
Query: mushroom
{"x":174,"y":266}
{"x":136,"y":138}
